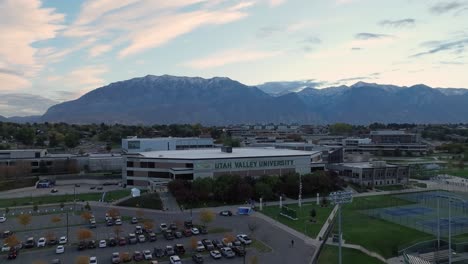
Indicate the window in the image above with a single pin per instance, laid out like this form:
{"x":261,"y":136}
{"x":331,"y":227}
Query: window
{"x":37,"y":155}
{"x":159,"y":174}
{"x":135,"y":144}
{"x":143,"y":164}
{"x":129,"y":173}
{"x":151,"y":165}
{"x":130,"y":164}
{"x":34,"y":164}
{"x":129,"y":182}
{"x":49,"y":163}
{"x":188,"y":176}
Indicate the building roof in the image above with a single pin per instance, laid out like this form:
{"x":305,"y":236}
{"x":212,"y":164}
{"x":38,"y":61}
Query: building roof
{"x":166,"y":138}
{"x":215,"y":153}
{"x":365,"y":165}
{"x":390,"y":132}
{"x":21,"y":150}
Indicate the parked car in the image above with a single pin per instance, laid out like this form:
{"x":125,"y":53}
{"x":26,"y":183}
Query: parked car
{"x":2,"y":219}
{"x":53,"y":190}
{"x":208,"y":244}
{"x":225,"y":213}
{"x":147,"y":254}
{"x":178,"y":234}
{"x":163,"y":226}
{"x":116,"y":258}
{"x":92,"y":187}
{"x":109,"y":222}
{"x":203,"y":230}
{"x":152,"y":237}
{"x":200,"y":247}
{"x":60,"y":249}
{"x":217,"y":244}
{"x":103,"y":243}
{"x":5,"y":248}
{"x":92,"y":244}
{"x":7,"y":233}
{"x":227,"y":252}
{"x":138,"y":256}
{"x":63,"y":240}
{"x":188,"y":224}
{"x":92,"y":223}
{"x":134,"y":220}
{"x":187,"y":232}
{"x":195,"y":231}
{"x":93,"y":260}
{"x":244,"y":239}
{"x":112,"y":242}
{"x":13,"y":253}
{"x":175,"y":260}
{"x":168,"y":235}
{"x":99,"y":188}
{"x":81,"y":245}
{"x":197,"y":258}
{"x":170,"y":251}
{"x":159,"y":252}
{"x":141,"y":238}
{"x":118,"y":221}
{"x":226,"y":242}
{"x":238,"y":250}
{"x":29,"y":243}
{"x":52,"y":241}
{"x":132,"y":239}
{"x":122,"y":241}
{"x":179,"y":249}
{"x":56,"y":261}
{"x":138,"y":230}
{"x":215,"y":254}
{"x":173,"y":226}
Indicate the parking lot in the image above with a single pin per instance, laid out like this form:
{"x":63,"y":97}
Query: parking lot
{"x":276,"y":241}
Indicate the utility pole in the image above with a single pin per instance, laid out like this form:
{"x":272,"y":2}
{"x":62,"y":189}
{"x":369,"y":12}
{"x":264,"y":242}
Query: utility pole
{"x":340,"y":198}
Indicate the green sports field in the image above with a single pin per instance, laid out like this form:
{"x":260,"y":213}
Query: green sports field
{"x":329,"y":255}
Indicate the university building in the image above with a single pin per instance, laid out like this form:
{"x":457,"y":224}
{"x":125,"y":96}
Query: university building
{"x":158,"y":167}
{"x":136,"y":145}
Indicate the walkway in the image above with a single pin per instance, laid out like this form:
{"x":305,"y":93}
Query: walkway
{"x":362,"y":249}
{"x":169,"y":201}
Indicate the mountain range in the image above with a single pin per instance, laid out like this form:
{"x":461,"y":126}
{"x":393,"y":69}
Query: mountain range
{"x":218,"y":101}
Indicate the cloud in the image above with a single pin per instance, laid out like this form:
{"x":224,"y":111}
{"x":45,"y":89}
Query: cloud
{"x":139,"y":25}
{"x":312,"y":40}
{"x":274,"y":3}
{"x":456,"y":46}
{"x":98,"y":50}
{"x":22,"y":23}
{"x":268,"y":31}
{"x":368,"y":36}
{"x":408,"y":22}
{"x":20,"y":104}
{"x":229,"y":57}
{"x":447,"y":6}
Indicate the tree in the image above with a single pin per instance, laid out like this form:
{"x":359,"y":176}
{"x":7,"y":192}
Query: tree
{"x":24,"y":219}
{"x":82,"y":260}
{"x":340,"y":129}
{"x":114,"y":213}
{"x":313,"y":214}
{"x":87,"y":206}
{"x":84,"y":234}
{"x":117,"y":231}
{"x":7,"y":210}
{"x":72,"y":139}
{"x":86,"y":215}
{"x":35,"y":207}
{"x":50,"y":235}
{"x":207,"y":216}
{"x":148,"y":224}
{"x":228,"y":237}
{"x":253,"y":260}
{"x":55,"y":219}
{"x":12,"y":241}
{"x":62,"y":205}
{"x":193,"y":243}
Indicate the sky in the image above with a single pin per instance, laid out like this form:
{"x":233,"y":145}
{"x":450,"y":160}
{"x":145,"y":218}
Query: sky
{"x":60,"y":50}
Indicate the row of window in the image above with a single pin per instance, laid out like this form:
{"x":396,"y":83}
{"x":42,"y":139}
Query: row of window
{"x":152,"y":165}
{"x":165,"y":175}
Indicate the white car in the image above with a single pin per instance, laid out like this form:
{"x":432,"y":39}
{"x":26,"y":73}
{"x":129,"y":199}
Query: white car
{"x":148,"y":255}
{"x":92,"y":260}
{"x":141,"y":238}
{"x":215,"y":254}
{"x":63,"y":240}
{"x":60,"y":249}
{"x":163,"y":226}
{"x":2,"y":219}
{"x":200,"y":246}
{"x":5,"y":248}
{"x":102,"y":243}
{"x":118,"y":221}
{"x":195,"y":231}
{"x":244,"y":239}
{"x":175,"y":260}
{"x":41,"y":242}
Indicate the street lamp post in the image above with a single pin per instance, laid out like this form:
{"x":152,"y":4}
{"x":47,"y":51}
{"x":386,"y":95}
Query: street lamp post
{"x":340,"y":198}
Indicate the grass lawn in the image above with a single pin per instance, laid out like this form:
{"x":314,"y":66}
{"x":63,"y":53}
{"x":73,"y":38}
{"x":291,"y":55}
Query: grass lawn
{"x":150,"y":201}
{"x":52,"y":198}
{"x":329,"y":255}
{"x":375,"y":234}
{"x":260,"y":246}
{"x":454,"y":171}
{"x":303,"y":224}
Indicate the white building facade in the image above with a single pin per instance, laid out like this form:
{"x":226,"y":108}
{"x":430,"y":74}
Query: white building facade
{"x":136,"y":145}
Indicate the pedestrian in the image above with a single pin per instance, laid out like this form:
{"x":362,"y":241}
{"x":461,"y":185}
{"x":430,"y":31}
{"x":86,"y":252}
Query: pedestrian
{"x":292,"y":243}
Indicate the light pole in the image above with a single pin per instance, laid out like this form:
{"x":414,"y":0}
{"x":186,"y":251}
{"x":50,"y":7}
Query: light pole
{"x":299,"y":200}
{"x":340,"y":198}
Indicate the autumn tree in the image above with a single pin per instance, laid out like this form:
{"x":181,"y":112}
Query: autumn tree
{"x":113,"y":212}
{"x":50,"y":235}
{"x":228,"y":237}
{"x":253,"y":260}
{"x":148,"y":224}
{"x":24,"y":219}
{"x":55,"y":219}
{"x":86,"y":215}
{"x":84,"y":234}
{"x":12,"y":241}
{"x":39,"y":262}
{"x":117,"y":231}
{"x":82,"y":260}
{"x":193,"y":243}
{"x":207,"y":216}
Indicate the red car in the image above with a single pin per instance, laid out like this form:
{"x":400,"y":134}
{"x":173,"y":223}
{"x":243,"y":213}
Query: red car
{"x":122,"y":241}
{"x":138,"y":256}
{"x":187,"y":232}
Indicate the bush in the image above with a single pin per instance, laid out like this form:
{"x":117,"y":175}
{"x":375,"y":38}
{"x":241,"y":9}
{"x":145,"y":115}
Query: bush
{"x":150,"y":201}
